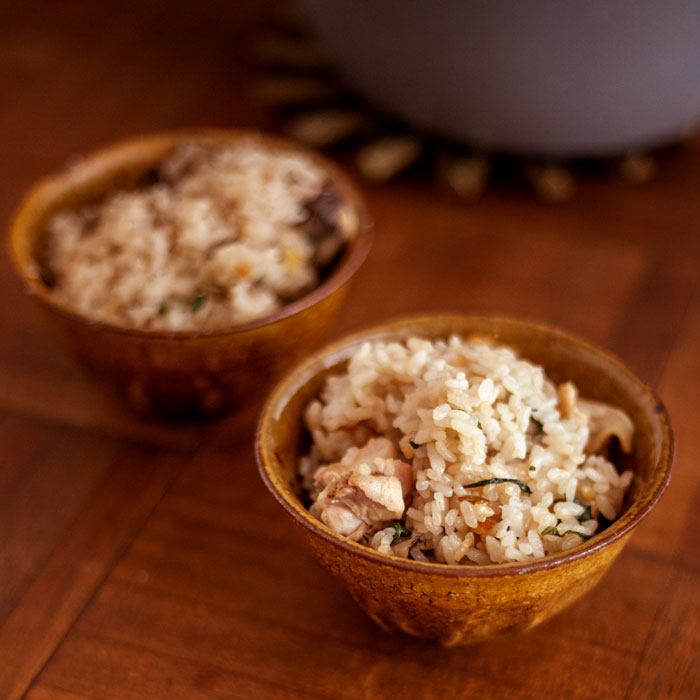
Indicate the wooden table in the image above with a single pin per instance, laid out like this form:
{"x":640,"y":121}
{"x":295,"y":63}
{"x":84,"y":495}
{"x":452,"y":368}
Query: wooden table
{"x":145,"y":561}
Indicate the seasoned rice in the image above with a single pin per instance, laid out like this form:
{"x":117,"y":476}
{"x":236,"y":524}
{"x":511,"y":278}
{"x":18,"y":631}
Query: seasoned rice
{"x":222,"y":234}
{"x":460,"y":452}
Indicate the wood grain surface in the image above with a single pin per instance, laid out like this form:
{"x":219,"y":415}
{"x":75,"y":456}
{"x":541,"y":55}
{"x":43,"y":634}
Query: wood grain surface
{"x":145,"y":561}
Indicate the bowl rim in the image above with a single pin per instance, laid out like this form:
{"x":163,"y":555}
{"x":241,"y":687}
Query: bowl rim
{"x":105,"y":159}
{"x":336,"y":351}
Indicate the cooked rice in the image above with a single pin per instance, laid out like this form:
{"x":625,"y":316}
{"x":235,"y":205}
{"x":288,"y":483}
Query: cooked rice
{"x":459,"y":413}
{"x":224,"y":235}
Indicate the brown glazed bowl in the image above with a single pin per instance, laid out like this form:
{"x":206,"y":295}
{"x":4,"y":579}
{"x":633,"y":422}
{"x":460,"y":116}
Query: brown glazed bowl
{"x":181,"y":373}
{"x":470,"y":604}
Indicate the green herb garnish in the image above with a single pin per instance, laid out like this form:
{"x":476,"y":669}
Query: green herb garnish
{"x":538,"y":424}
{"x":523,"y":487}
{"x":399,"y":531}
{"x":197,"y":303}
{"x":586,"y":515}
{"x":162,"y":309}
{"x":532,"y":467}
{"x":553,"y":531}
{"x":478,"y":425}
{"x":414,"y":445}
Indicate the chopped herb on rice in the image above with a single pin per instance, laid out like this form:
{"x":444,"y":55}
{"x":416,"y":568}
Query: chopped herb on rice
{"x":523,"y":487}
{"x":585,"y":516}
{"x":554,"y":530}
{"x":197,"y":303}
{"x":400,"y":530}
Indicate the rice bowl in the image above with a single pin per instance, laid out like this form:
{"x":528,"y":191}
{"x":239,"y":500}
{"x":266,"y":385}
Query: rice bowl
{"x":458,"y":603}
{"x":197,"y":370}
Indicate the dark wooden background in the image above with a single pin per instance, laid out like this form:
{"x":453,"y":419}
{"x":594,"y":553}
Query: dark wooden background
{"x":139,"y":561}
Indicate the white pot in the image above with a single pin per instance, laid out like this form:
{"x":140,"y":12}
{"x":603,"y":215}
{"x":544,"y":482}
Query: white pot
{"x":555,"y":77}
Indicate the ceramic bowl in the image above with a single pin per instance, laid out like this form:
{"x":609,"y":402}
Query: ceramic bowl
{"x":470,"y":604}
{"x":181,"y":373}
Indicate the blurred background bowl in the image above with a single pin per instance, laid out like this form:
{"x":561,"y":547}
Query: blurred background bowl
{"x":471,"y":603}
{"x":550,"y":77}
{"x":197,"y":373}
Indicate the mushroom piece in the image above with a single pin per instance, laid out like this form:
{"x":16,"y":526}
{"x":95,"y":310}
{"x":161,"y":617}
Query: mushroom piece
{"x":604,"y":422}
{"x":567,"y":396}
{"x":403,"y":547}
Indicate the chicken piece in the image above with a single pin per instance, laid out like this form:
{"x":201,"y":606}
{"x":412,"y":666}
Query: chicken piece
{"x":376,"y":447}
{"x":351,"y":500}
{"x":383,"y":491}
{"x":374,"y":499}
{"x":342,"y":520}
{"x":567,"y":395}
{"x":604,"y":422}
{"x":404,"y":473}
{"x":326,"y":476}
